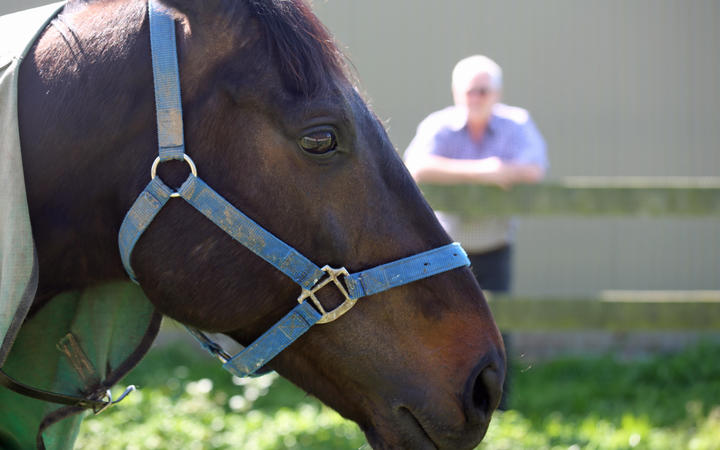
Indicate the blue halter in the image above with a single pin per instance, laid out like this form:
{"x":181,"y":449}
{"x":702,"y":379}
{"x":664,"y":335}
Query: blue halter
{"x":301,"y":270}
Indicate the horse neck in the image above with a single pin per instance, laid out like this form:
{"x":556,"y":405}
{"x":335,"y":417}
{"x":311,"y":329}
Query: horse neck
{"x":86,"y":126}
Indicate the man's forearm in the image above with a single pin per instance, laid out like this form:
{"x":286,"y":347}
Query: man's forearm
{"x":437,"y":169}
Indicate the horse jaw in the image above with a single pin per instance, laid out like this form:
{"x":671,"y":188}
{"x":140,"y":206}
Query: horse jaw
{"x":411,"y":383}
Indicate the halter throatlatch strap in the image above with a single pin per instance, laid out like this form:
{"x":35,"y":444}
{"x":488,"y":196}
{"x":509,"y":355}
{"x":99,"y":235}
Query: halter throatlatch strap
{"x":244,"y":230}
{"x":47,"y":396}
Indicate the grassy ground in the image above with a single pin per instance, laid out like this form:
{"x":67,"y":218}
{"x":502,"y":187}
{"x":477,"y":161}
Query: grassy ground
{"x":187,"y":401}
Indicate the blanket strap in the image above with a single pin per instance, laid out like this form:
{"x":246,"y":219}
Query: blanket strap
{"x":79,"y":361}
{"x":97,"y":405}
{"x":47,"y":396}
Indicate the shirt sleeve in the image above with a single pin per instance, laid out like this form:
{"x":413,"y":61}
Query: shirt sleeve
{"x":424,"y":143}
{"x":528,"y":145}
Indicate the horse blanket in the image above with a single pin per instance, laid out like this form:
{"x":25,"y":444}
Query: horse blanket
{"x":80,"y":343}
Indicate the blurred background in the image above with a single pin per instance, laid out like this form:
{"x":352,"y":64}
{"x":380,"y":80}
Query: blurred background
{"x":617,"y":88}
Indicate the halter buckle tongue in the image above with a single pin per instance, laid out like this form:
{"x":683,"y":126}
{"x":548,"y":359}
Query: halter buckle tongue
{"x":333,"y":275}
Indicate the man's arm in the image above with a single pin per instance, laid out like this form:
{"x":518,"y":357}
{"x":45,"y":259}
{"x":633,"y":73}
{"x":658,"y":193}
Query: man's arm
{"x":437,"y":169}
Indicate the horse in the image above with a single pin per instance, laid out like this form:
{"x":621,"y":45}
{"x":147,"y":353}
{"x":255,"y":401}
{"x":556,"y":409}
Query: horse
{"x":275,"y":124}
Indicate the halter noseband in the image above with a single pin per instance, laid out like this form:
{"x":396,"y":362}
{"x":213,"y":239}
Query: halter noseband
{"x":301,"y":270}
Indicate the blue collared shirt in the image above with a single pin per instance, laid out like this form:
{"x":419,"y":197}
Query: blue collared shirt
{"x":511,"y":135}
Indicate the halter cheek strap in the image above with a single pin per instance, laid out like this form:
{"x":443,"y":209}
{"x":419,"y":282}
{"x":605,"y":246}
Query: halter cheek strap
{"x":244,"y":230}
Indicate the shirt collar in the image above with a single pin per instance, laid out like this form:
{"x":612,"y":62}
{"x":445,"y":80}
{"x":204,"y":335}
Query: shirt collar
{"x":458,"y":119}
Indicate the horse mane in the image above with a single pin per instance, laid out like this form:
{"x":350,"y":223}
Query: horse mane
{"x":306,"y":53}
{"x":305,"y":50}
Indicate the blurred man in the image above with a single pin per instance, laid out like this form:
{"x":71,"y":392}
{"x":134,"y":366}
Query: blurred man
{"x":479,"y":140}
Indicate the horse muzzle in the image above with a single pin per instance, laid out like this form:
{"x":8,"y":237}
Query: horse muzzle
{"x":438,"y":420}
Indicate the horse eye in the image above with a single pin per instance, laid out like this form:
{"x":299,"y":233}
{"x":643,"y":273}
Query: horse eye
{"x":318,"y":142}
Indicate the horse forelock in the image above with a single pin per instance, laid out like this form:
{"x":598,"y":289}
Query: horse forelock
{"x":306,"y":52}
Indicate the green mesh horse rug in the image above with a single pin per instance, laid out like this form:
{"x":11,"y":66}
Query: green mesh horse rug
{"x":80,"y":343}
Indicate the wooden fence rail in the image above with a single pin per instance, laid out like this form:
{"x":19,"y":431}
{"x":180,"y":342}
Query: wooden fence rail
{"x":583,"y":196}
{"x":596,"y":196}
{"x":629,"y":314}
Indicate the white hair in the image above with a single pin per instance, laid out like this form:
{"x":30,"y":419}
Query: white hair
{"x":469,"y":67}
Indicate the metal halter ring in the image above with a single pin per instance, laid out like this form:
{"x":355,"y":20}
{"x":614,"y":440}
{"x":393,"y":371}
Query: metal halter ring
{"x":153,"y":170}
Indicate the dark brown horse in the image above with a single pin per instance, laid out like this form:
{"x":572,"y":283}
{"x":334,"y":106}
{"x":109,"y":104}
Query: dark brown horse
{"x":276,"y":127}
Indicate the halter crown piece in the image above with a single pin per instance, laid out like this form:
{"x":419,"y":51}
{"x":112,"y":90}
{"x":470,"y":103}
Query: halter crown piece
{"x":301,"y":270}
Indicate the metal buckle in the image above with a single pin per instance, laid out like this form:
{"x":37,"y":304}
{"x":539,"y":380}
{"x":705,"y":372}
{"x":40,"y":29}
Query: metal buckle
{"x":334,"y":276}
{"x":186,"y":158}
{"x":109,"y":402}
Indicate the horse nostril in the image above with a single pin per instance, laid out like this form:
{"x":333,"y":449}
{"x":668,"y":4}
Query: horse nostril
{"x":488,"y":389}
{"x":485,"y":389}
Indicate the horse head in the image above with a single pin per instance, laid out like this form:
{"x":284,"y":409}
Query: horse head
{"x":276,"y":126}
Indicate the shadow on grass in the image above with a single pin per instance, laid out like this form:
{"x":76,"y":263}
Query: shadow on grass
{"x":170,"y":367}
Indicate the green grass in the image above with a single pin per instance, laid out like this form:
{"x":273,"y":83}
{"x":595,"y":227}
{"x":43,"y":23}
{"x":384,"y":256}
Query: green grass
{"x":187,"y":401}
{"x":663,"y":402}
